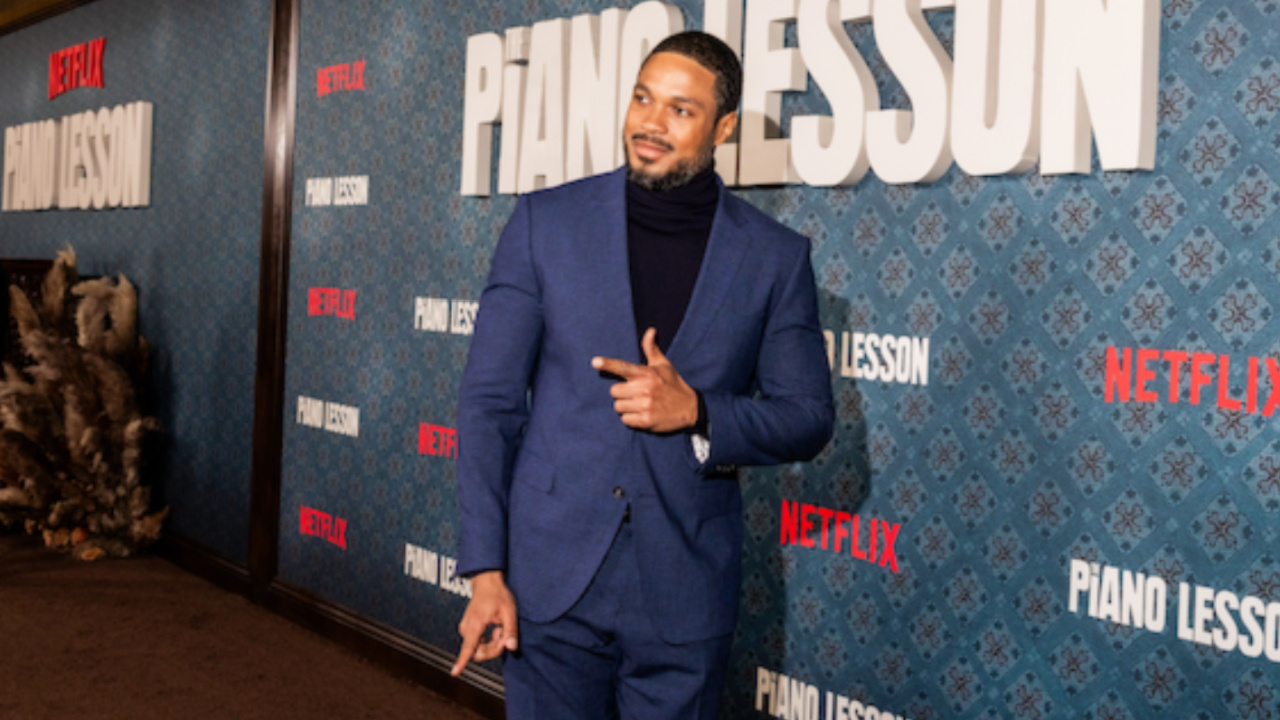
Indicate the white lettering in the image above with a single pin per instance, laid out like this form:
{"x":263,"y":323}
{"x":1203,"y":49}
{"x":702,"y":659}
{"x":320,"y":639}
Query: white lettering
{"x":764,"y":687}
{"x":829,"y":151}
{"x":1100,"y":76}
{"x":769,"y":69}
{"x":310,"y":412}
{"x":431,"y":314}
{"x":542,"y":137}
{"x":723,"y":19}
{"x":137,"y":164}
{"x":10,"y":172}
{"x":1035,"y":79}
{"x":342,"y":419}
{"x":449,"y":579}
{"x":115,"y":173}
{"x":319,"y":192}
{"x":995,"y":106}
{"x":1202,"y":612}
{"x":592,"y":131}
{"x":464,"y":317}
{"x":482,"y":107}
{"x":911,"y":146}
{"x":421,"y":564}
{"x":351,"y":190}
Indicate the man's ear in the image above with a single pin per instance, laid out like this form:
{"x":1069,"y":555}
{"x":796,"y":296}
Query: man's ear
{"x":725,"y":126}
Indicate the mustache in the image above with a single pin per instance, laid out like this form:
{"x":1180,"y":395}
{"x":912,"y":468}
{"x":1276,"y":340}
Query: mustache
{"x":652,"y":140}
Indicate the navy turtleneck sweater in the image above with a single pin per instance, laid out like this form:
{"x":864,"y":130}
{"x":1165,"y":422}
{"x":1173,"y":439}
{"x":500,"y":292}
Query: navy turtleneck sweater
{"x":667,"y":234}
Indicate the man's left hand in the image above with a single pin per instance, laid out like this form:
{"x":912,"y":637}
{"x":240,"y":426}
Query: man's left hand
{"x":651,"y":397}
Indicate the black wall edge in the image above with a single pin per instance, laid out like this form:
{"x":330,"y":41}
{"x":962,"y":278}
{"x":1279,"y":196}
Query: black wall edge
{"x":202,"y":562}
{"x":273,"y":291}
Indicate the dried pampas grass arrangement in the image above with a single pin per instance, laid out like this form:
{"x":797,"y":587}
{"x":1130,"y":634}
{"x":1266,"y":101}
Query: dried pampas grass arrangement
{"x":72,"y":437}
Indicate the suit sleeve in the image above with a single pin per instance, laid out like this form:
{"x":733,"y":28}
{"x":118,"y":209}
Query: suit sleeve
{"x":493,"y":401}
{"x":791,"y":416}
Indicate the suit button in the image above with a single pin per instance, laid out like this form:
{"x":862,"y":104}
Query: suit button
{"x":618,"y":492}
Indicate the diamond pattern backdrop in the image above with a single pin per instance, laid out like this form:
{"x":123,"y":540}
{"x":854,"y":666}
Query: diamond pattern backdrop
{"x":193,"y":254}
{"x":1007,"y":465}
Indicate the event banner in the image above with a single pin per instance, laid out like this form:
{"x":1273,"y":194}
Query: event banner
{"x":131,"y":130}
{"x":1046,"y":245}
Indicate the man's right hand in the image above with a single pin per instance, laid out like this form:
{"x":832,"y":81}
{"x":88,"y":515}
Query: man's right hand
{"x":492,"y":604}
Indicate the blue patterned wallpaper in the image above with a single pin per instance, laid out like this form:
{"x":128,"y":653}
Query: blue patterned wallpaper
{"x":193,"y":254}
{"x":1007,"y":465}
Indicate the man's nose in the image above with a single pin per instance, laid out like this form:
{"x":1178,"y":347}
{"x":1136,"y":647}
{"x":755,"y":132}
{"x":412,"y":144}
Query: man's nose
{"x":652,"y":120}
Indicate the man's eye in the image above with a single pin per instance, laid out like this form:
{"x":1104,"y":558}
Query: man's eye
{"x":682,"y":112}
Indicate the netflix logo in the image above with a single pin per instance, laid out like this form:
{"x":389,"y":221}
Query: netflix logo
{"x":437,"y":441}
{"x":837,"y":531}
{"x":331,"y":301}
{"x":340,"y":78}
{"x":1136,"y":377}
{"x":76,"y":67}
{"x":323,"y":525}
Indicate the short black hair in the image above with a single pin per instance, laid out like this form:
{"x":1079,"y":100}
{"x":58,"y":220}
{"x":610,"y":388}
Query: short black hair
{"x":713,"y":54}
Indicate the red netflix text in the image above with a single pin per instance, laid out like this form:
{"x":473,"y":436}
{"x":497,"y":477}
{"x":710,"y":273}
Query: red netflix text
{"x":337,"y":78}
{"x":838,"y":531}
{"x":1131,"y":377}
{"x":332,"y":301}
{"x":323,"y":525}
{"x":437,"y":440}
{"x":75,"y":67}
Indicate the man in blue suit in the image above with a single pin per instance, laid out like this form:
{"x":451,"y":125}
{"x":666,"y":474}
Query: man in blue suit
{"x":643,"y":334}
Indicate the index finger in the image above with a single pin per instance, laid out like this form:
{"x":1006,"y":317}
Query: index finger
{"x":613,"y":366}
{"x":469,"y":645}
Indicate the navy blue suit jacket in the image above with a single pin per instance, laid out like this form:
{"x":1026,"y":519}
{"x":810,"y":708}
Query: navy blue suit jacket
{"x":545,"y":466}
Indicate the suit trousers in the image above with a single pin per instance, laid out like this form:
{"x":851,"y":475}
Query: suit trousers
{"x":603,"y":658}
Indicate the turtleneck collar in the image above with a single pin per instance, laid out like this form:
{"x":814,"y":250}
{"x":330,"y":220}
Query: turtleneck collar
{"x":688,"y":208}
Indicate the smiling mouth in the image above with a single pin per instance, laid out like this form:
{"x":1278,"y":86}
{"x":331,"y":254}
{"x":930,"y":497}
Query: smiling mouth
{"x":649,"y":148}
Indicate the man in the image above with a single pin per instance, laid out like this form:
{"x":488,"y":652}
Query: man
{"x":643,"y":333}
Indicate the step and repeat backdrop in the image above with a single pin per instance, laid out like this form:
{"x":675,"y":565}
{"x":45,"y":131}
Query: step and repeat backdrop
{"x":1054,"y":489}
{"x":132,"y":131}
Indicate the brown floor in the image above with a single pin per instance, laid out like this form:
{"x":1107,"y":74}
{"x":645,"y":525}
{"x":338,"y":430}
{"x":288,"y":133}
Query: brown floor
{"x":140,"y":638}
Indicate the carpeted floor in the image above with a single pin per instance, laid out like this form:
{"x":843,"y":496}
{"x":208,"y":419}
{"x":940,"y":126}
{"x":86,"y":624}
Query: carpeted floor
{"x":140,"y":638}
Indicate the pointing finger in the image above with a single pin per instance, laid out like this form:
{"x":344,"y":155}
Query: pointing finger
{"x":621,"y":368}
{"x":469,"y":644}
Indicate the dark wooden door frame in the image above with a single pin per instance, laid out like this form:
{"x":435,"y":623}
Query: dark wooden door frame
{"x":273,"y":298}
{"x":478,"y":689}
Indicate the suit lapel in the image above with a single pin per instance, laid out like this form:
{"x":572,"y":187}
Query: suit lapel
{"x":726,"y":247}
{"x":606,"y":251}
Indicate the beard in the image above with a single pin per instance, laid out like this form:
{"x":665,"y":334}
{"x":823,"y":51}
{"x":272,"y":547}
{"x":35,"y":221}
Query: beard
{"x":680,"y":173}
